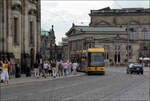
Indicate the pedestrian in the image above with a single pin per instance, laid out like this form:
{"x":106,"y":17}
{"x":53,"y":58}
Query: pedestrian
{"x":36,"y":69}
{"x":49,"y":68}
{"x":70,"y":67}
{"x":60,"y":68}
{"x":53,"y":64}
{"x":74,"y":66}
{"x":9,"y":68}
{"x":45,"y":66}
{"x":40,"y":67}
{"x":1,"y":63}
{"x":65,"y":66}
{"x":4,"y":75}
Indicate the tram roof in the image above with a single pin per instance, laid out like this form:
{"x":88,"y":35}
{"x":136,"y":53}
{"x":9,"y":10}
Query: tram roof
{"x":96,"y":50}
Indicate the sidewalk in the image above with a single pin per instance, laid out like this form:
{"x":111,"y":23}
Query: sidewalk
{"x":147,"y":69}
{"x":24,"y":80}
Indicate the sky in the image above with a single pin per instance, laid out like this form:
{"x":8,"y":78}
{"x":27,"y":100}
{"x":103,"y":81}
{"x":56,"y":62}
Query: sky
{"x":62,"y":13}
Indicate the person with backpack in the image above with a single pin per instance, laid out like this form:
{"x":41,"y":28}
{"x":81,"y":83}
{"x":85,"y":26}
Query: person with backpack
{"x":53,"y":64}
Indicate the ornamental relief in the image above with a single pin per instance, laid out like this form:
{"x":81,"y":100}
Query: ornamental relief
{"x":17,"y":7}
{"x":32,"y":12}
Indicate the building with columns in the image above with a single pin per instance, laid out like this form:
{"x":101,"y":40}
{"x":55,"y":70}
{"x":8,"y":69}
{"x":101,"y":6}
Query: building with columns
{"x":20,"y":24}
{"x":123,"y":33}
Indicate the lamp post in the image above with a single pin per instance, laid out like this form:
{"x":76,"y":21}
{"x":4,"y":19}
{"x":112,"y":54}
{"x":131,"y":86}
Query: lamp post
{"x":127,"y":29}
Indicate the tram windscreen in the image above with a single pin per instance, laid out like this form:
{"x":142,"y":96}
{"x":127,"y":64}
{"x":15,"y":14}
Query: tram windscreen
{"x":96,"y":59}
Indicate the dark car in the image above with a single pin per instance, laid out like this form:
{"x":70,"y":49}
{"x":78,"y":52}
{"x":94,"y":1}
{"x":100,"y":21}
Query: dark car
{"x":135,"y":68}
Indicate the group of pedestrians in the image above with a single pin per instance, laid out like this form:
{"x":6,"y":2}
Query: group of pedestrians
{"x":54,"y":68}
{"x":5,"y":68}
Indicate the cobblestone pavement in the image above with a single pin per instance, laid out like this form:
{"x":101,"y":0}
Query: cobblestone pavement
{"x":115,"y":85}
{"x":26,"y":80}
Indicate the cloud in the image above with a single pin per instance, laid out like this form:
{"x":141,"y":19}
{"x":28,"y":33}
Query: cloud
{"x":131,"y":4}
{"x":62,"y":14}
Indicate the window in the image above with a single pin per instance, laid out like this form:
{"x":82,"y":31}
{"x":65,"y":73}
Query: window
{"x":84,"y":44}
{"x":74,"y":46}
{"x":96,"y":59}
{"x":117,"y":47}
{"x":106,"y":48}
{"x":144,"y":51}
{"x":15,"y":31}
{"x":133,"y":35}
{"x":145,"y":34}
{"x":128,"y":50}
{"x":90,"y":45}
{"x":31,"y":33}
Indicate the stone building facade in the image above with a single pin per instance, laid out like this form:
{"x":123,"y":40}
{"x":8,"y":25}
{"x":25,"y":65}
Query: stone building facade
{"x":20,"y":24}
{"x":48,"y":44}
{"x":65,"y":53}
{"x":123,"y":33}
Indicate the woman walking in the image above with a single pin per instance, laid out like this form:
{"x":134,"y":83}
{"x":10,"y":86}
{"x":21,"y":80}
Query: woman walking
{"x":65,"y":66}
{"x":4,"y":75}
{"x":45,"y":66}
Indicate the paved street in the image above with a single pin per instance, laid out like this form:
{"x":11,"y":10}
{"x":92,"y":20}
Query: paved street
{"x":115,"y":85}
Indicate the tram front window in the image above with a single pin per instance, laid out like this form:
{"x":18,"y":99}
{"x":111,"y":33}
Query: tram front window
{"x":96,"y":59}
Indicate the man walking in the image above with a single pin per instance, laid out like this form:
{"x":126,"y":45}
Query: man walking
{"x":53,"y":64}
{"x":36,"y":69}
{"x":60,"y":68}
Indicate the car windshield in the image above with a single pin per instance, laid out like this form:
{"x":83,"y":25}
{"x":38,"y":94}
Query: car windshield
{"x":138,"y":65}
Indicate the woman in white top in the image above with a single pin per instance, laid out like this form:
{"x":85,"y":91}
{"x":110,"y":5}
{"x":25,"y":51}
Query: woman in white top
{"x":74,"y":65}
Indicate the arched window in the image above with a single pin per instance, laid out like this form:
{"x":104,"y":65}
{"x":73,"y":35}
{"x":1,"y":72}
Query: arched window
{"x":132,"y":34}
{"x":145,"y":34}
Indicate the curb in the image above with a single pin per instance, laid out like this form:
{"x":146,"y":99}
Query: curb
{"x":43,"y":80}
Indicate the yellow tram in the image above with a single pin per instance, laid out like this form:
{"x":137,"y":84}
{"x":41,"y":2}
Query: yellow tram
{"x":96,"y":61}
{"x":91,"y":60}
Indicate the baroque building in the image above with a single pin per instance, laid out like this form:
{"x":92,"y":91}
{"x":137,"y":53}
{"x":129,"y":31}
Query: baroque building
{"x":123,"y":33}
{"x":49,"y":50}
{"x":20,"y":23}
{"x":48,"y":44}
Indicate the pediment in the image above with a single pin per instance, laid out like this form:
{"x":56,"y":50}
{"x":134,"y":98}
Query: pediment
{"x":134,"y":22}
{"x":102,"y":23}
